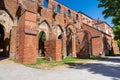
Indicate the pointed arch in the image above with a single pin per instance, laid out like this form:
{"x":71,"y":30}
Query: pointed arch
{"x":77,"y":17}
{"x":44,"y":26}
{"x":6,"y":21}
{"x":70,"y":40}
{"x":72,"y":27}
{"x":58,"y":32}
{"x":45,"y":21}
{"x":6,"y":24}
{"x":69,"y":13}
{"x":58,"y":8}
{"x":60,"y":27}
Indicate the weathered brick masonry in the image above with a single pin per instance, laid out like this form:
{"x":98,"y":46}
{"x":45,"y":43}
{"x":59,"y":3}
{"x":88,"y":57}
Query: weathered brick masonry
{"x":35,"y":28}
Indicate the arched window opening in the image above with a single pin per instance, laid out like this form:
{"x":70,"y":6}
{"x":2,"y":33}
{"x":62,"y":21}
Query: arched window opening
{"x":69,"y":13}
{"x":46,"y":2}
{"x":77,"y":17}
{"x":97,"y":27}
{"x":60,"y":36}
{"x":58,"y":8}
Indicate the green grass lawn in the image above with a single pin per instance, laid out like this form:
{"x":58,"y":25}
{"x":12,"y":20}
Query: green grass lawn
{"x":45,"y":64}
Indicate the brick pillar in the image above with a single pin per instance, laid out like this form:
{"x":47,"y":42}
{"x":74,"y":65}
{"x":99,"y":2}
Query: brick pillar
{"x":13,"y":43}
{"x":64,"y":53}
{"x":53,"y":50}
{"x":27,"y":38}
{"x":115,"y":47}
{"x":73,"y":46}
{"x":37,"y":48}
{"x":102,"y":53}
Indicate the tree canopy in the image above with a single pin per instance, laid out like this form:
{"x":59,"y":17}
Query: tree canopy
{"x":112,"y":9}
{"x":116,"y":30}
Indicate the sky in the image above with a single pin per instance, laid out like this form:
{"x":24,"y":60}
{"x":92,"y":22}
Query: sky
{"x":89,"y":7}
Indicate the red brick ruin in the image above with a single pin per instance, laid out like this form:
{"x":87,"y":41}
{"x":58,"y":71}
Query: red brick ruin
{"x":46,"y":28}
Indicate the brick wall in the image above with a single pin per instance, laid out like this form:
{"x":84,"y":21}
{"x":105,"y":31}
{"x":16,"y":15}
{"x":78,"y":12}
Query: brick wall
{"x":53,"y":50}
{"x":27,"y":38}
{"x":96,"y":40}
{"x":97,"y":46}
{"x":83,"y":45}
{"x":115,"y":47}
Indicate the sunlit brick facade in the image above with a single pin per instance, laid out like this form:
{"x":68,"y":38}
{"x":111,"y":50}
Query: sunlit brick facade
{"x":35,"y":28}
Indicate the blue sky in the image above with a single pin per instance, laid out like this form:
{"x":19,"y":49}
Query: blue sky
{"x":89,"y":7}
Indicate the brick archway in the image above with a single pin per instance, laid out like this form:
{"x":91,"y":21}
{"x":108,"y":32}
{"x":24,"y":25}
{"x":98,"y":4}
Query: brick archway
{"x":59,"y":35}
{"x":58,"y":32}
{"x":71,"y":40}
{"x":44,"y":26}
{"x":6,"y":25}
{"x":6,"y":21}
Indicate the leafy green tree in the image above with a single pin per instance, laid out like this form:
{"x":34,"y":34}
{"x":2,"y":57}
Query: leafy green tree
{"x":116,"y":30}
{"x":118,"y":42}
{"x":112,"y":8}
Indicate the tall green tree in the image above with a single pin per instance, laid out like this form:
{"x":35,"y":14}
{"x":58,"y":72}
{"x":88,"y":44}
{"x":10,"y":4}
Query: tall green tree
{"x":112,"y":9}
{"x":116,"y":30}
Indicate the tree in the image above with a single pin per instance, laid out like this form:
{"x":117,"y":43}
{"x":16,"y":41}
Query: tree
{"x":112,"y":8}
{"x":116,"y":30}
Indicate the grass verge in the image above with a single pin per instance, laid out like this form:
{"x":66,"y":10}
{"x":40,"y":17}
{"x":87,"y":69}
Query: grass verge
{"x":45,"y":64}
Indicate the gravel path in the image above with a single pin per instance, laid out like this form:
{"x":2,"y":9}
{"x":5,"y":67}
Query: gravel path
{"x":100,"y":70}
